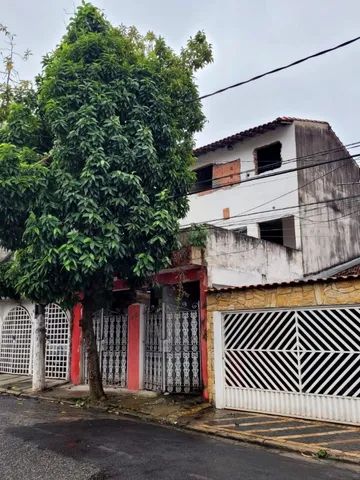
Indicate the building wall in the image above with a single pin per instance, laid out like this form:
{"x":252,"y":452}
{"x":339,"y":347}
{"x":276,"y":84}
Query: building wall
{"x":239,"y":198}
{"x":234,"y":259}
{"x":337,"y":292}
{"x":330,"y":232}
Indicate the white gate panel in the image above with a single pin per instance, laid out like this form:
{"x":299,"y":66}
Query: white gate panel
{"x":15,"y":342}
{"x":303,"y":363}
{"x":57,"y":342}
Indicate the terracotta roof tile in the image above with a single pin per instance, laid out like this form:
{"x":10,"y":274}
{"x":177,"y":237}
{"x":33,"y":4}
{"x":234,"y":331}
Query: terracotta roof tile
{"x":339,"y":276}
{"x":251,"y":132}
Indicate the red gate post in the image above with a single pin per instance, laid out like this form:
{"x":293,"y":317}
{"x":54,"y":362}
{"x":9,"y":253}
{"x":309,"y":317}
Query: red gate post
{"x":135,"y":361}
{"x":75,"y":359}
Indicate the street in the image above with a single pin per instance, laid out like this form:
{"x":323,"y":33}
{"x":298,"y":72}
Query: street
{"x":45,"y":441}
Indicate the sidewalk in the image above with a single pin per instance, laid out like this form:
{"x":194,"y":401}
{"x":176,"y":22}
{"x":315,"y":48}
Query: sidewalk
{"x":306,"y":437}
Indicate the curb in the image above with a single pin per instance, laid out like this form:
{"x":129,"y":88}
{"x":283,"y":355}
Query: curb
{"x":284,"y":445}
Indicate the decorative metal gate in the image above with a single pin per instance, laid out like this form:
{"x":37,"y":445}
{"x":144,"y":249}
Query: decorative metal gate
{"x":294,"y":362}
{"x":111,"y":333}
{"x":172,"y":355}
{"x":15,"y":342}
{"x":57,"y":342}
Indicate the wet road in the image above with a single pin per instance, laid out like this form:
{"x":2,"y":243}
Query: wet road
{"x":45,"y":441}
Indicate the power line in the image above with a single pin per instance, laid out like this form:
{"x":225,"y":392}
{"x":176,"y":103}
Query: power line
{"x":294,"y":190}
{"x":266,"y":218}
{"x":284,"y":162}
{"x":279,"y":69}
{"x":224,"y":223}
{"x":281,"y":172}
{"x":277,"y":210}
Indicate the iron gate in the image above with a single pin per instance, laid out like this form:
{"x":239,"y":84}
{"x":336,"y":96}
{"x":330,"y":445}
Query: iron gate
{"x":15,"y":342}
{"x":57,"y":342}
{"x":172,"y":355}
{"x":294,"y":362}
{"x":111,"y":330}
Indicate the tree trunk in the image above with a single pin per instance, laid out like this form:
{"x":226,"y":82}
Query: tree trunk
{"x":38,"y":378}
{"x":94,"y":375}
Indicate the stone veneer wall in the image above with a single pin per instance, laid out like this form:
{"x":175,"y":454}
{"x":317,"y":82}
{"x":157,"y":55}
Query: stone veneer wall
{"x":334,"y":292}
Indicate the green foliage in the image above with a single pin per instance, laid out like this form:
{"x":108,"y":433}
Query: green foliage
{"x":322,"y":453}
{"x":7,"y":288}
{"x":120,"y":110}
{"x":198,"y":235}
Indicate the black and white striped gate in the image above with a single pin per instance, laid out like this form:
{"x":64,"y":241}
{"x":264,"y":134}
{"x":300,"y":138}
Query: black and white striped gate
{"x":172,"y":355}
{"x":302,"y":362}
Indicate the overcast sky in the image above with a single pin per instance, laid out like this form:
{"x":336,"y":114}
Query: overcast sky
{"x":249,"y":37}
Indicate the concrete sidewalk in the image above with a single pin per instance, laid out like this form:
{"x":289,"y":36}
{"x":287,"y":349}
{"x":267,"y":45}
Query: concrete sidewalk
{"x":307,"y":437}
{"x":21,"y":384}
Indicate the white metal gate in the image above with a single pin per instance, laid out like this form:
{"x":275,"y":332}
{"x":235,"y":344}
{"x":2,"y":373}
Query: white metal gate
{"x":15,"y":342}
{"x":111,"y":333}
{"x":172,"y":355}
{"x":57,"y":342}
{"x":292,"y":362}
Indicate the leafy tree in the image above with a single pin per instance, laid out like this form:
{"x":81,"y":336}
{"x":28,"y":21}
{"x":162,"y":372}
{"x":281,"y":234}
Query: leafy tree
{"x":10,"y":83}
{"x":121,"y":110}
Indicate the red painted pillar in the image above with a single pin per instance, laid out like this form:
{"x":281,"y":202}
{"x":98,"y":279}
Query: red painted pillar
{"x":75,"y":365}
{"x":135,"y":347}
{"x":203,"y":333}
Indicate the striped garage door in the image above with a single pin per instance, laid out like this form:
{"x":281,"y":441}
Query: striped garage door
{"x":302,"y":363}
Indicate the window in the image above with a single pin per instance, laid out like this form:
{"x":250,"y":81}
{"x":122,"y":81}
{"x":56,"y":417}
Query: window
{"x":204,"y":178}
{"x":268,"y":157}
{"x":241,"y":230}
{"x":280,"y":231}
{"x":272,"y":231}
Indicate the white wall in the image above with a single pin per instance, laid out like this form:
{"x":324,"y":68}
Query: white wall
{"x":233,"y":259}
{"x":239,"y":198}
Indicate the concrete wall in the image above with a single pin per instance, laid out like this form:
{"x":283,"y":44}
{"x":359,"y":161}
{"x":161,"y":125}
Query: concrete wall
{"x":335,"y":292}
{"x":330,"y":232}
{"x":238,"y":260}
{"x":239,"y":198}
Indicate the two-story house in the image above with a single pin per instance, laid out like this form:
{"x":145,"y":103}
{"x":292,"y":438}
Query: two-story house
{"x":279,"y":203}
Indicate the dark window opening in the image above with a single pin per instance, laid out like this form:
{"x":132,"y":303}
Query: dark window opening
{"x":204,"y":177}
{"x":272,"y":231}
{"x":241,"y":230}
{"x":280,"y":231}
{"x":268,"y":157}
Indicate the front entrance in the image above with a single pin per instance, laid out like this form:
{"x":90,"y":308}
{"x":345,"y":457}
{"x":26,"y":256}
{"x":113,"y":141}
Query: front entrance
{"x":172,"y":353}
{"x":111,"y":333}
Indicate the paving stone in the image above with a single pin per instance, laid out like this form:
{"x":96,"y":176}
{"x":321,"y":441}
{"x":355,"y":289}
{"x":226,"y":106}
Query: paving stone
{"x":273,"y":425}
{"x":304,"y":431}
{"x":327,"y":438}
{"x":345,"y":446}
{"x":255,"y":419}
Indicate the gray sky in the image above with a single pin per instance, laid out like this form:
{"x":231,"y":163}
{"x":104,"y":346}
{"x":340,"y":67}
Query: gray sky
{"x":249,"y":37}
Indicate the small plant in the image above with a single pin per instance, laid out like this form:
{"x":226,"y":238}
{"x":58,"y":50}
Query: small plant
{"x":322,"y":453}
{"x":198,"y":236}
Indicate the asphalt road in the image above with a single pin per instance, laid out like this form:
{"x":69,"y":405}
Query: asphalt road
{"x":45,"y":441}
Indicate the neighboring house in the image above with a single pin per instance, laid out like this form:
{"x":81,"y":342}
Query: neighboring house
{"x":270,"y":219}
{"x":290,"y":348}
{"x":278,"y":216}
